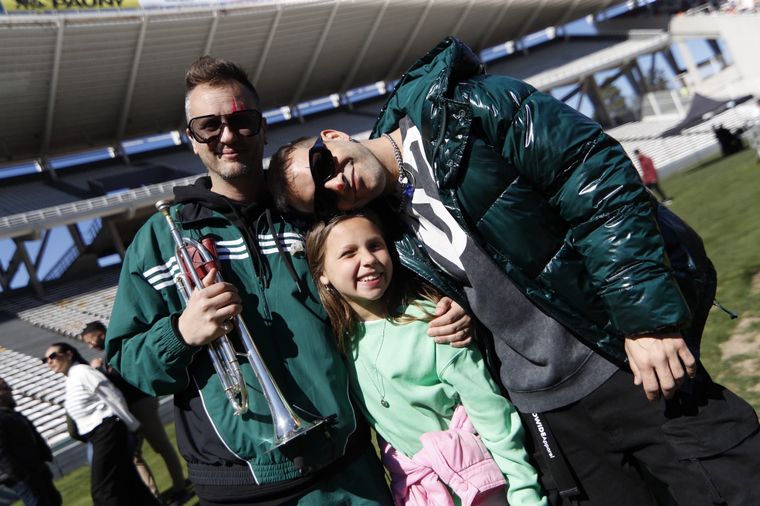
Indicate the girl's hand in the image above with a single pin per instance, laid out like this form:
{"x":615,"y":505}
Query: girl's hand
{"x":451,"y":324}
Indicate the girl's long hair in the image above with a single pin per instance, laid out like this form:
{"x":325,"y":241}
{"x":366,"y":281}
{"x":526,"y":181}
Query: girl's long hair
{"x":404,"y":288}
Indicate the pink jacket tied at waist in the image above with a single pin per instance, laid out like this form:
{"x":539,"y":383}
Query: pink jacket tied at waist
{"x":455,"y":457}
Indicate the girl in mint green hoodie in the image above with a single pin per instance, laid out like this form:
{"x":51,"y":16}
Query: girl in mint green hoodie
{"x":409,"y":387}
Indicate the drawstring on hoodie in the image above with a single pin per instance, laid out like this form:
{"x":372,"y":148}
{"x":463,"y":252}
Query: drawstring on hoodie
{"x":202,"y":198}
{"x":281,"y":251}
{"x":252,"y":243}
{"x":263,"y":267}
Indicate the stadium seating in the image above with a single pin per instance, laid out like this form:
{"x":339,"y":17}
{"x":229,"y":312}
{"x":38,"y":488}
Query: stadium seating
{"x":675,"y":152}
{"x":67,"y":308}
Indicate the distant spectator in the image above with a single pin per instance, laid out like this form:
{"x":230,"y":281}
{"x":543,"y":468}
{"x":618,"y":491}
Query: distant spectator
{"x":91,"y":335}
{"x":145,"y":408}
{"x":729,"y":141}
{"x":753,"y":129}
{"x":23,"y":455}
{"x":649,"y":177}
{"x":102,"y":418}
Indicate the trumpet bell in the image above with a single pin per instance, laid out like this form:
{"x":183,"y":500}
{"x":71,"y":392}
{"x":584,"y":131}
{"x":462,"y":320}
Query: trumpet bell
{"x":288,"y":429}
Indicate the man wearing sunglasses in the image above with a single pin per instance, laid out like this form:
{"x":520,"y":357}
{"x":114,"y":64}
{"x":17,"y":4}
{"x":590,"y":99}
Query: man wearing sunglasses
{"x":157,"y":343}
{"x":567,"y":259}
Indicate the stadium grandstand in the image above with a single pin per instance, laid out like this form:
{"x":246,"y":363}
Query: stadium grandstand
{"x":93,"y":132}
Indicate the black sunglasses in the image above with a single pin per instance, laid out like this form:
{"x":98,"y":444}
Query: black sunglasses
{"x":322,"y":166}
{"x":205,"y":129}
{"x":50,"y":357}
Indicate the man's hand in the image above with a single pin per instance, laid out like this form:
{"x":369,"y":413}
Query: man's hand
{"x":451,"y":324}
{"x":658,"y":362}
{"x":96,"y":363}
{"x":208,"y":312}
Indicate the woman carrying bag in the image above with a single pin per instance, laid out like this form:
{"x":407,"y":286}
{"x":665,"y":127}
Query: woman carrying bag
{"x":101,"y":417}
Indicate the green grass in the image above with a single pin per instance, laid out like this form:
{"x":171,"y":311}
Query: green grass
{"x":75,"y":486}
{"x":721,"y":200}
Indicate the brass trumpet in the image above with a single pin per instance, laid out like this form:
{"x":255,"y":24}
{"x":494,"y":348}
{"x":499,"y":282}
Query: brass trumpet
{"x":287,"y":425}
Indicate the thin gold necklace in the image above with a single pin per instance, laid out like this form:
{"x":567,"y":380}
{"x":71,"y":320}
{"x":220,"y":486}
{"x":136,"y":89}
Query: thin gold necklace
{"x":381,"y":388}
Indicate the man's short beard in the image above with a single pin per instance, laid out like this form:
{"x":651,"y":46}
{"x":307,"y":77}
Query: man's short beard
{"x":244,"y":172}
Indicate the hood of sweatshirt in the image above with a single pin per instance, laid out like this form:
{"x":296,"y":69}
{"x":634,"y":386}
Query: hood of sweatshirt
{"x":200,"y":203}
{"x":201,"y":200}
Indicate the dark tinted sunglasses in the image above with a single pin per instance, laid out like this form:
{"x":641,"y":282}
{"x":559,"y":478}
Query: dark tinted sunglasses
{"x":50,"y":357}
{"x":208,"y":128}
{"x":322,"y":167}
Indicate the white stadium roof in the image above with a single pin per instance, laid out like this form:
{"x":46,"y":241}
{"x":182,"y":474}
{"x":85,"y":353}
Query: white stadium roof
{"x":78,"y":80}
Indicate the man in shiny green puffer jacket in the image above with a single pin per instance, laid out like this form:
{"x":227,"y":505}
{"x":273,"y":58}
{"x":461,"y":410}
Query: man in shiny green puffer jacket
{"x":568,"y":261}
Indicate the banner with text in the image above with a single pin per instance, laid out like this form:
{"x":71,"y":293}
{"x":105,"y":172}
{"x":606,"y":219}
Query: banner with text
{"x":19,"y":6}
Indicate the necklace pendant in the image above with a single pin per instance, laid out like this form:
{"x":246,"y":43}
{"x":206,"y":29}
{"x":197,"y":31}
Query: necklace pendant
{"x":384,"y":403}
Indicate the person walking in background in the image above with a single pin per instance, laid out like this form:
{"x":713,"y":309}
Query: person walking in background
{"x":649,"y":176}
{"x":101,"y":416}
{"x":91,"y":335}
{"x":427,"y":401}
{"x":145,"y":408}
{"x":730,"y":142}
{"x":24,"y":455}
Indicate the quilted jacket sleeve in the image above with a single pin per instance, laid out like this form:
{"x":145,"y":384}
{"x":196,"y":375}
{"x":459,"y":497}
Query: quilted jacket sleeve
{"x":586,"y":176}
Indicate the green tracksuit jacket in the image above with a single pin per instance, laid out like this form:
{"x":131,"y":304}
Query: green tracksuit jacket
{"x":285,"y":318}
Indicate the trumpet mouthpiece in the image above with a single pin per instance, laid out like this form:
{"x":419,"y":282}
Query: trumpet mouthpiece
{"x":162,"y":204}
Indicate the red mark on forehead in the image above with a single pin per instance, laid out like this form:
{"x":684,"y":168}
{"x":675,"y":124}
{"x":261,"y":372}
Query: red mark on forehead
{"x":234,"y":105}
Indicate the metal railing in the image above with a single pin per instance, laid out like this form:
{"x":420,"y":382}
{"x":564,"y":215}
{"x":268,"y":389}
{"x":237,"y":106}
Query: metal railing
{"x":32,"y":222}
{"x":606,"y":58}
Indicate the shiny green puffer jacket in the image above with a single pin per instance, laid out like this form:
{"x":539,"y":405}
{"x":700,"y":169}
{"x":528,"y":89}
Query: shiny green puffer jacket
{"x":553,"y":199}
